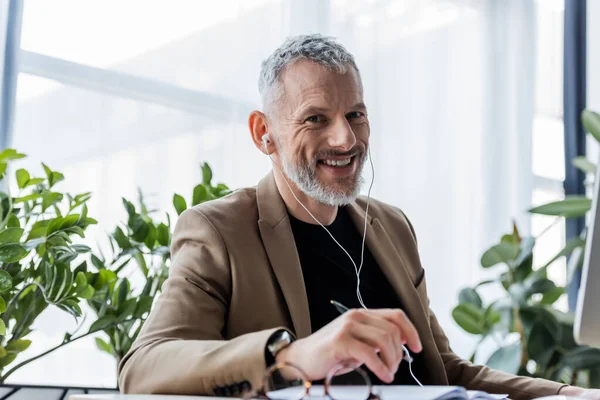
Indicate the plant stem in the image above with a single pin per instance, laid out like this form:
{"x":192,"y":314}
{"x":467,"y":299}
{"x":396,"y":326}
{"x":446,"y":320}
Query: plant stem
{"x":23,"y":363}
{"x":519,"y":328}
{"x":556,"y":221}
{"x":12,"y":302}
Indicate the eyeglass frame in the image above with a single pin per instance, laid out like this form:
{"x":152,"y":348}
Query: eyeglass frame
{"x":307,"y":383}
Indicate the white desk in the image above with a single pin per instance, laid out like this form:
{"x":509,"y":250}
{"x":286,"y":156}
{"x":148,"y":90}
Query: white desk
{"x":112,"y":396}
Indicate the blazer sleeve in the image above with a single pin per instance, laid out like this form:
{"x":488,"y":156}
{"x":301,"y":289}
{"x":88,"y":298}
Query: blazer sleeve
{"x":181,"y":349}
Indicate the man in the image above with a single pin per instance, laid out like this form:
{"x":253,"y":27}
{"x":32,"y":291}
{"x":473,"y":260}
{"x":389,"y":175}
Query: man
{"x":253,"y":269}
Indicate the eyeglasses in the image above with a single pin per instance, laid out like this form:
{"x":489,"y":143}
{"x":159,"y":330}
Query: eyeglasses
{"x":286,"y":381}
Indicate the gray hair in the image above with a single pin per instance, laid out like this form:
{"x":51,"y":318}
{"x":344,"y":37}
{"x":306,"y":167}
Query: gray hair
{"x":319,"y":49}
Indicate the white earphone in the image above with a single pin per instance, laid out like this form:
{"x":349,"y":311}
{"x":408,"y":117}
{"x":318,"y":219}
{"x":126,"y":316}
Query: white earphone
{"x":265,"y":139}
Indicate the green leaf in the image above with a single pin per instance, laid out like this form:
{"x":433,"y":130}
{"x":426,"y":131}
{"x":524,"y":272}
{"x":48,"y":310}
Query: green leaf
{"x":2,"y":352}
{"x":22,"y":177}
{"x":143,"y":306}
{"x":50,"y":198}
{"x":103,"y":346}
{"x":140,"y":229}
{"x":2,"y":328}
{"x":200,"y":194}
{"x":87,"y":292}
{"x":221,"y":190}
{"x":532,"y":315}
{"x":3,"y":167}
{"x":129,"y":207}
{"x":551,"y":296}
{"x":179,"y":204}
{"x":102,"y":323}
{"x":13,"y":222}
{"x":150,"y":240}
{"x":469,"y":317}
{"x":206,"y":174}
{"x":539,"y":285}
{"x":585,"y":165}
{"x":126,"y":309}
{"x":500,"y":253}
{"x":34,"y":181}
{"x":10,"y":235}
{"x":12,"y":253}
{"x":2,"y":304}
{"x":17,"y":346}
{"x":582,"y":357}
{"x":507,"y":358}
{"x":97,"y":262}
{"x":4,"y":361}
{"x":470,"y":296}
{"x":38,"y":230}
{"x":10,"y":154}
{"x":53,"y":177}
{"x":541,"y":344}
{"x":491,"y":317}
{"x":591,"y":123}
{"x":70,"y":306}
{"x":80,"y":280}
{"x":571,"y":245}
{"x":162,"y":234}
{"x":122,"y":293}
{"x":570,"y":207}
{"x":121,"y":239}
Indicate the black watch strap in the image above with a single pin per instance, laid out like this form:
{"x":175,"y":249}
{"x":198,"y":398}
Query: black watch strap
{"x":279,"y":340}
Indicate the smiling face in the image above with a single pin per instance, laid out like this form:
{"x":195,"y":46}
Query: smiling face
{"x":322,"y":131}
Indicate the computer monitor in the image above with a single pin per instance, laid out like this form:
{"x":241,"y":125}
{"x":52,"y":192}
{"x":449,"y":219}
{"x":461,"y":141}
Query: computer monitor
{"x":587,"y":315}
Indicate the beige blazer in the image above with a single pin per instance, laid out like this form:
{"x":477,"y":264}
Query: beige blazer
{"x":235,"y":278}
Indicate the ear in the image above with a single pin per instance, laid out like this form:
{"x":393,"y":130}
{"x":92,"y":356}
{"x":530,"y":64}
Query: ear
{"x":258,"y":124}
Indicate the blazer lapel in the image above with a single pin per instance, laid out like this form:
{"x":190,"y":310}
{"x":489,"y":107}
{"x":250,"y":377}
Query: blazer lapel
{"x":393,"y":267}
{"x":278,"y":239}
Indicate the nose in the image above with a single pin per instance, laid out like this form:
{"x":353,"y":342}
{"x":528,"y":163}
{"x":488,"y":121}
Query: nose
{"x":342,"y":136}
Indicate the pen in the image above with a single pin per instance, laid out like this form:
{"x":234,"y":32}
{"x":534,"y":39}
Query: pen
{"x":342,"y":309}
{"x":339,"y":306}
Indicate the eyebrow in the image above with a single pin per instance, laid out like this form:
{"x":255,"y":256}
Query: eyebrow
{"x":324,"y":110}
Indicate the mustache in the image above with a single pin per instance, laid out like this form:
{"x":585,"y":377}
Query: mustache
{"x":358,"y":150}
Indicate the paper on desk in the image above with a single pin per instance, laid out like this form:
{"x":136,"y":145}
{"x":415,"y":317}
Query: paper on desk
{"x":392,"y":392}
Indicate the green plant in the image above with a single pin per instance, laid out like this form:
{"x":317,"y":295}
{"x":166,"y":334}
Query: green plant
{"x":145,"y":243}
{"x":37,"y":228}
{"x":575,"y":206}
{"x":545,"y":347}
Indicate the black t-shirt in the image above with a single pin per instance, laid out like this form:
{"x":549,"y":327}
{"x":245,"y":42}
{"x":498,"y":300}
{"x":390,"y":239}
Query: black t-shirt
{"x":329,"y":275}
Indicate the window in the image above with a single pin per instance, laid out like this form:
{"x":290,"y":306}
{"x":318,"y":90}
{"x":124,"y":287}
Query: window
{"x":548,"y":136}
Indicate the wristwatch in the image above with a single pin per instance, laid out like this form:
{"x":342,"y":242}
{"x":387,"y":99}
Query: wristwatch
{"x":278,"y":341}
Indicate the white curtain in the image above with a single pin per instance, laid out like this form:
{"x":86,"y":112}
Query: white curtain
{"x":448,"y":85}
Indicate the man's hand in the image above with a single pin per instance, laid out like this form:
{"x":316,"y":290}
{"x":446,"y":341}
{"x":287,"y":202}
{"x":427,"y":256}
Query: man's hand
{"x":370,"y":337}
{"x":580,"y":392}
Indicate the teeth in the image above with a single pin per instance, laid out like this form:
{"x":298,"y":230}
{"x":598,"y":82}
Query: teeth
{"x":338,"y":163}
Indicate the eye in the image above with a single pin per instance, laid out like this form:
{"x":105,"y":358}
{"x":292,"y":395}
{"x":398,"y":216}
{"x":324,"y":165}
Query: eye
{"x":355,"y":114}
{"x":315,"y":119}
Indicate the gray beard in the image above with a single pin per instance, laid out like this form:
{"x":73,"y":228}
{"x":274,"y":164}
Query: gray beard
{"x":305,"y":179}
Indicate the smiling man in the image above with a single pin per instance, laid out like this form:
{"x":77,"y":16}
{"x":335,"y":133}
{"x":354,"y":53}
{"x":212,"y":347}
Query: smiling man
{"x":253,"y":274}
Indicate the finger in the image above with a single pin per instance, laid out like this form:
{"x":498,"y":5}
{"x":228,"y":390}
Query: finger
{"x":377,"y":338}
{"x":407,"y":329}
{"x":380,"y":322}
{"x":366,"y":354}
{"x":369,"y":318}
